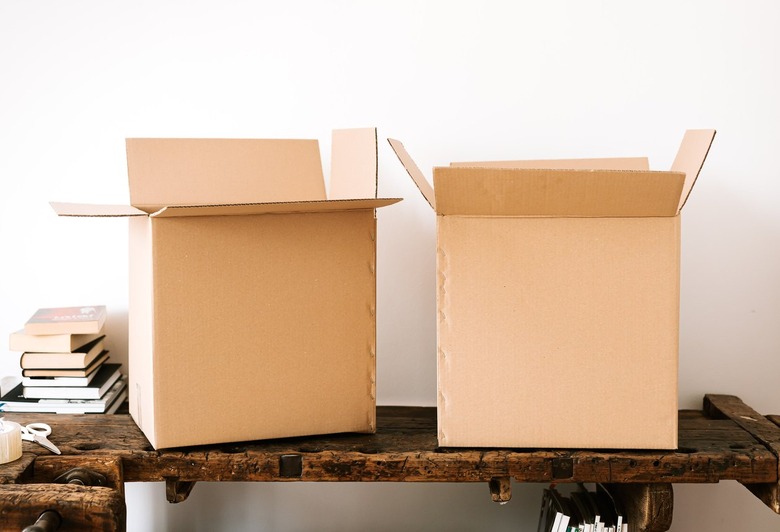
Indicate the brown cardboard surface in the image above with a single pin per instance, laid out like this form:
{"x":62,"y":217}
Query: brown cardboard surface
{"x":558,"y":300}
{"x":414,"y":172}
{"x":353,"y":164}
{"x":609,"y":163}
{"x":693,"y":151}
{"x":553,"y":330}
{"x":221,"y":171}
{"x":252,"y":297}
{"x":280,"y":343}
{"x":541,"y":192}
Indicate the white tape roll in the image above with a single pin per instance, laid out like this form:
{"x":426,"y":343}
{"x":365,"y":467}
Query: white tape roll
{"x":10,"y":441}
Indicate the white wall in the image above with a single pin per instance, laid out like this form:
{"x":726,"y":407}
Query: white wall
{"x":453,"y":80}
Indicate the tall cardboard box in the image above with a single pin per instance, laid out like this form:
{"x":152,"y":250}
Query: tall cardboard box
{"x":558,"y":299}
{"x":252,"y":296}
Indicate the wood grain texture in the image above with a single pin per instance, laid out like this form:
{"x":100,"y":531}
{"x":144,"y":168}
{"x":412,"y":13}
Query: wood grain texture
{"x":81,"y":508}
{"x":649,"y":506}
{"x":763,"y":429}
{"x":405,"y":449}
{"x":724,"y":441}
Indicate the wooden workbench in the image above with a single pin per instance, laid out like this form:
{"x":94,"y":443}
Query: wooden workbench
{"x":726,"y":440}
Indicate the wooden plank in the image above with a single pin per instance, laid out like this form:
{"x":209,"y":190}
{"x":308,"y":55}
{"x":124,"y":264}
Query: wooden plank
{"x":100,"y":470}
{"x":405,"y":449}
{"x":81,"y":508}
{"x":18,"y":470}
{"x":762,"y":429}
{"x":756,"y":424}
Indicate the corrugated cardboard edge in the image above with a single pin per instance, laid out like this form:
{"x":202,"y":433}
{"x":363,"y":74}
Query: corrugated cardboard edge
{"x":690,"y":158}
{"x":93,"y":210}
{"x":159,"y":211}
{"x":274,"y":208}
{"x":141,"y":331}
{"x":414,"y":172}
{"x":609,"y":163}
{"x":353,"y":164}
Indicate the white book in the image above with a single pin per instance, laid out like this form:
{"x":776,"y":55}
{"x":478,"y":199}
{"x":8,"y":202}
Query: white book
{"x":14,"y":401}
{"x":106,"y":376}
{"x":625,"y":527}
{"x":564,"y":524}
{"x":58,"y":381}
{"x":557,"y":521}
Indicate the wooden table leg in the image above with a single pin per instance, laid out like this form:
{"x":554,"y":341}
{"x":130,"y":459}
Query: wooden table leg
{"x":648,"y":507}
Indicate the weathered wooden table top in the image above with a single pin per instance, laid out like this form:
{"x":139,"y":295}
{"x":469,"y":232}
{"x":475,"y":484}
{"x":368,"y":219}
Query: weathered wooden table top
{"x":718,"y":443}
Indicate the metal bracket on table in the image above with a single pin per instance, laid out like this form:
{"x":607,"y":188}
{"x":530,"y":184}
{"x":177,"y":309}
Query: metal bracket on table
{"x":82,"y":476}
{"x":48,"y":521}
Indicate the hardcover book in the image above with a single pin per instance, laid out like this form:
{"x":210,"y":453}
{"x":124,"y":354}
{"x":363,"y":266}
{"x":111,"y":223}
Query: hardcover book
{"x":78,"y":359}
{"x":67,"y":320}
{"x":66,"y":372}
{"x":106,"y":376}
{"x":48,"y":343}
{"x":15,"y":401}
{"x":58,"y":381}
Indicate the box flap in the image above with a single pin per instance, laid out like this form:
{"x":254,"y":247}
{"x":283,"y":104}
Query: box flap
{"x":609,"y":163}
{"x":540,"y":192}
{"x":211,"y":171}
{"x":274,"y":208}
{"x":414,"y":172}
{"x":690,"y":158}
{"x":88,"y":209}
{"x":353,"y":164}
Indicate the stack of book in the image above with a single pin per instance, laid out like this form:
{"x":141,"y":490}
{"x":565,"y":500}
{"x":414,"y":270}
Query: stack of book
{"x":582,"y":510}
{"x":65,"y":366}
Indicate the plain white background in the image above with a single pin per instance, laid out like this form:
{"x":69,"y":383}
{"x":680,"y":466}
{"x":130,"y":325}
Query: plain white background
{"x":453,"y":80}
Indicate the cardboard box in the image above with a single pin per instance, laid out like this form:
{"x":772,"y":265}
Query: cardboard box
{"x":558,"y":299}
{"x":252,"y":296}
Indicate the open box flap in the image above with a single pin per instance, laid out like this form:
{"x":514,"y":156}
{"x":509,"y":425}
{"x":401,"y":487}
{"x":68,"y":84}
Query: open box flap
{"x":414,"y":172}
{"x":543,"y":192}
{"x":274,"y":208}
{"x":690,"y":158}
{"x":212,"y":171}
{"x":92,"y":210}
{"x":609,"y":163}
{"x":353,"y":164}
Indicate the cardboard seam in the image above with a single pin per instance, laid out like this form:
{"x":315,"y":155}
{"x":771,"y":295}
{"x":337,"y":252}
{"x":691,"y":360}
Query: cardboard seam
{"x":372,"y":342}
{"x":161,"y":210}
{"x":442,"y":269}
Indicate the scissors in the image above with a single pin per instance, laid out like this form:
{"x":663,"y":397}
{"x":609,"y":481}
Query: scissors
{"x":38,"y":433}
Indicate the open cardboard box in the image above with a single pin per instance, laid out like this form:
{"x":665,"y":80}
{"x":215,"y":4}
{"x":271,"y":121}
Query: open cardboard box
{"x":252,"y":296}
{"x":558,"y":299}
